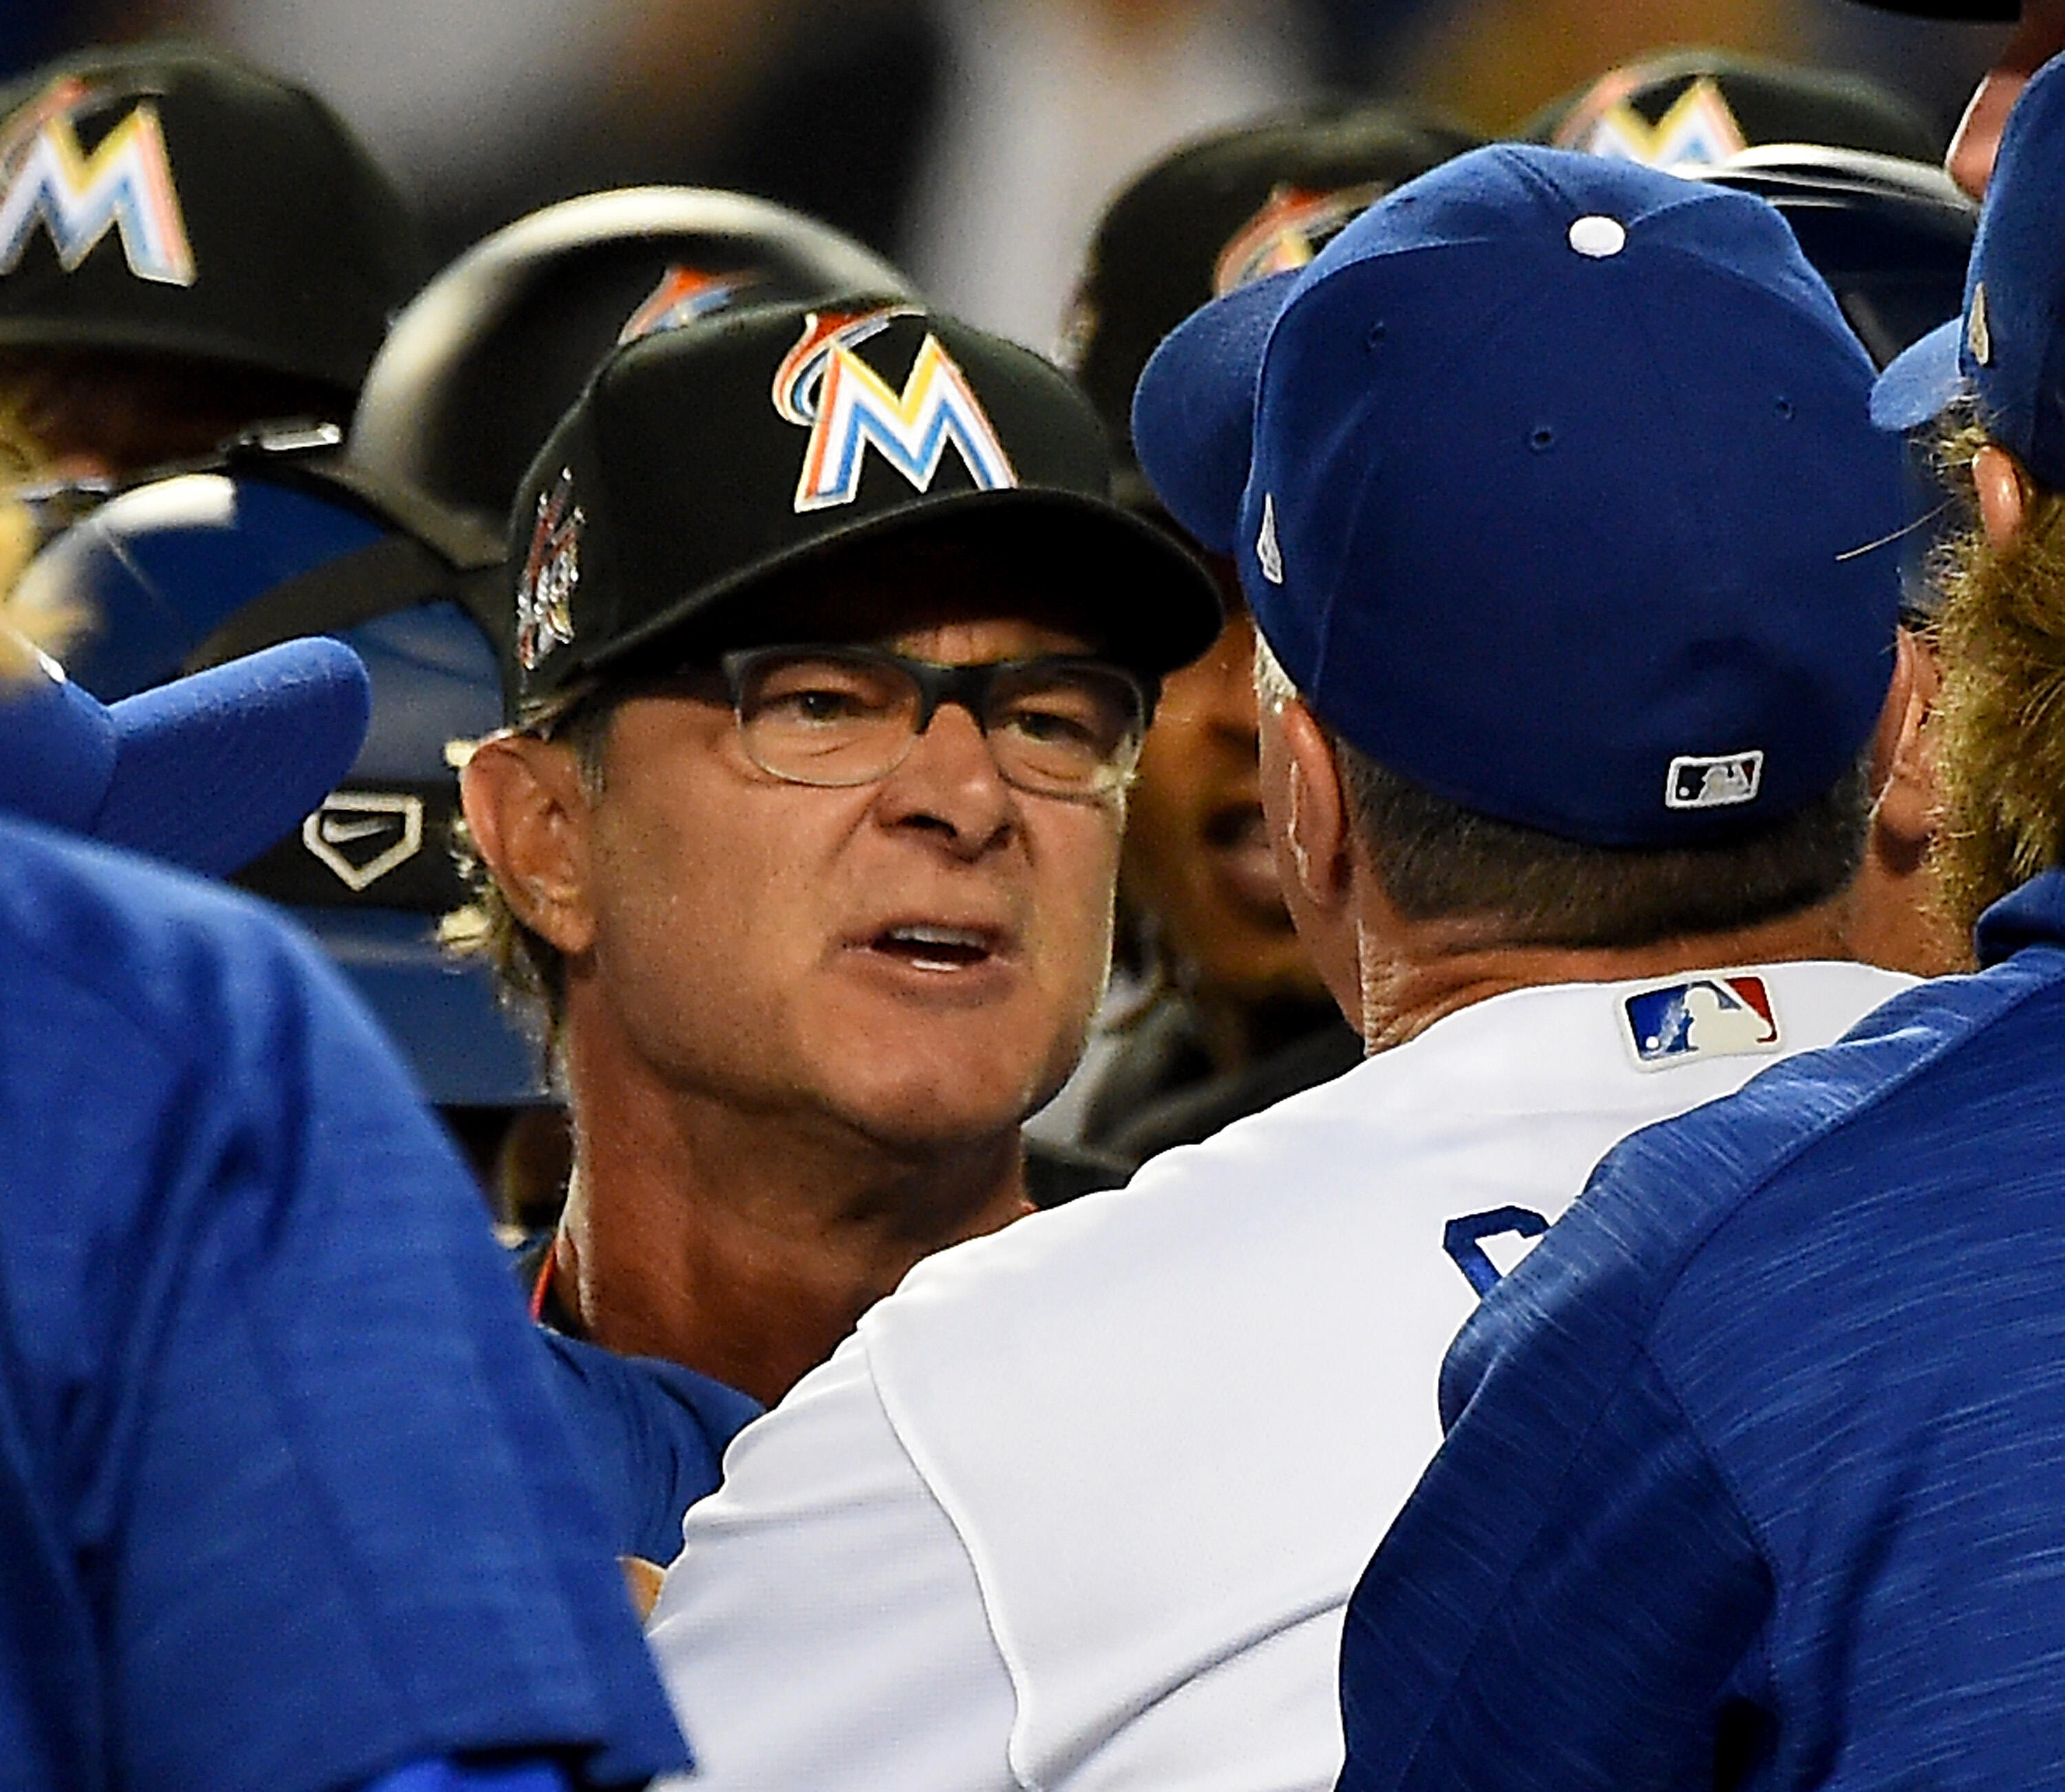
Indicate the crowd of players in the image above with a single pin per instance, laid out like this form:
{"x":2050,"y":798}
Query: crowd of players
{"x":1541,"y":661}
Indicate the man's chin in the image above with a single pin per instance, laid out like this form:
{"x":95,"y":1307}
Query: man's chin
{"x":941,"y":1115}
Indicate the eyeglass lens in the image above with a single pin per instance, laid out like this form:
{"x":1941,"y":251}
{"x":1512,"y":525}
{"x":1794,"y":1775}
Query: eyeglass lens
{"x":1054,"y":726}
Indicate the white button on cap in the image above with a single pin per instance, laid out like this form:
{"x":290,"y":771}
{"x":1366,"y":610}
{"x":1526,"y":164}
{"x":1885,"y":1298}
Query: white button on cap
{"x":1597,"y":236}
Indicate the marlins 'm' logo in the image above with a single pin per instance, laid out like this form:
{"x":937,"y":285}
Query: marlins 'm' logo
{"x":824,"y":385}
{"x":1292,"y":227}
{"x":1700,"y":130}
{"x":125,"y":185}
{"x":683,"y":295}
{"x":545,"y":594}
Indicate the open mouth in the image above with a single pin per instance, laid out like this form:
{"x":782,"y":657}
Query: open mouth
{"x":1237,"y":837}
{"x":925,"y":947}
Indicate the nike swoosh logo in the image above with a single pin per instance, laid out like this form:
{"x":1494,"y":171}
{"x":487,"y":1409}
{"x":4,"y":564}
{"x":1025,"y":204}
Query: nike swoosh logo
{"x":337,"y":833}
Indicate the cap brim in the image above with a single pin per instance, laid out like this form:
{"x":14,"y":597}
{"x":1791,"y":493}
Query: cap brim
{"x":1921,"y":381}
{"x":1194,"y":409}
{"x":1171,"y":614}
{"x":212,"y":769}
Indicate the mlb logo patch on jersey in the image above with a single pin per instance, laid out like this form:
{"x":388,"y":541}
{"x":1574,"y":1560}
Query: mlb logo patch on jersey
{"x":1705,"y":1017}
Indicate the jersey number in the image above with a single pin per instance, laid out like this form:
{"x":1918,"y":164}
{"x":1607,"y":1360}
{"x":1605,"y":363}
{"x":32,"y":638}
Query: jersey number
{"x":1462,"y":1240}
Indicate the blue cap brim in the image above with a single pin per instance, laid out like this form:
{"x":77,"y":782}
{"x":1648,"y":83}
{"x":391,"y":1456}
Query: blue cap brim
{"x":1921,"y":381}
{"x":1194,"y":408}
{"x":212,"y":769}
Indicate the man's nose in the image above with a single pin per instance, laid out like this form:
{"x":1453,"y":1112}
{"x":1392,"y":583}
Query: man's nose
{"x":949,"y":782}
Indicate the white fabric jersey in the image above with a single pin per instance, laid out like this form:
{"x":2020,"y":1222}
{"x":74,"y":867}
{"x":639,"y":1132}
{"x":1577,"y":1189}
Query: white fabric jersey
{"x":1080,"y":1506}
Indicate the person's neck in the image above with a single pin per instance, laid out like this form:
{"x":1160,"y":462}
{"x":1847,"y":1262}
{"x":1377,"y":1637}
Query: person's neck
{"x":1415,"y":973}
{"x":746,"y":1245}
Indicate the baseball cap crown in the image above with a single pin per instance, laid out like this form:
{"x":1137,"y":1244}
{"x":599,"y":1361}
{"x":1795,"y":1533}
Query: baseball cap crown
{"x":169,"y":198}
{"x":2007,"y":348}
{"x":701,"y":460}
{"x":1560,"y":497}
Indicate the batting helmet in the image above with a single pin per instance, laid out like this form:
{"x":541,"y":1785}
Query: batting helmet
{"x":481,"y":365}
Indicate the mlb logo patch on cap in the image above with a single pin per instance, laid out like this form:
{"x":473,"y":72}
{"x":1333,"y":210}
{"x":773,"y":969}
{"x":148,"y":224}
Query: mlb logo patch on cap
{"x":1703,"y":1017}
{"x":1717,"y":780}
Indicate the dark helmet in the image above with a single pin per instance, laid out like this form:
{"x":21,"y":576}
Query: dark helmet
{"x":168,"y":199}
{"x":1889,"y":235}
{"x":188,"y":571}
{"x":480,"y":366}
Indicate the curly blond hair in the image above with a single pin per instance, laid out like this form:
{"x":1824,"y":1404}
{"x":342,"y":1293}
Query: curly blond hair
{"x":2001,"y":757}
{"x":24,"y":629}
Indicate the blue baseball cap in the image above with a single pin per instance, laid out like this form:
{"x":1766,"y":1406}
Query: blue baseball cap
{"x":2006,"y":350}
{"x":206,"y":772}
{"x":1552,"y":485}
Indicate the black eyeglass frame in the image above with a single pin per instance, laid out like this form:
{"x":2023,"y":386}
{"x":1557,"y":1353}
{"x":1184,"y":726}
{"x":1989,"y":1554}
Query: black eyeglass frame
{"x":968,"y":686}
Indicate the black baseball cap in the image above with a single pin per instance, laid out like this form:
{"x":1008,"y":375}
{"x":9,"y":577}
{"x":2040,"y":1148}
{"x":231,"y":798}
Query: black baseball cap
{"x":1226,"y":208}
{"x":701,"y":460}
{"x":1699,"y":105}
{"x":168,"y":199}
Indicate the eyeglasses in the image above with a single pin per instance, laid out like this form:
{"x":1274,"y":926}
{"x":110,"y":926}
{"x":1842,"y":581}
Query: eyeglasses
{"x":1061,"y":725}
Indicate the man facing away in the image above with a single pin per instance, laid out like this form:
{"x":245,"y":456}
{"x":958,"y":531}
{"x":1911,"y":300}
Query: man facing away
{"x":1751,"y":1475}
{"x":1552,"y":490}
{"x":830,"y":661}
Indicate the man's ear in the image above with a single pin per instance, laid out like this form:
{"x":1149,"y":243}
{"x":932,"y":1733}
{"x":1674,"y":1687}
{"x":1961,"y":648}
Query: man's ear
{"x":1317,"y":828}
{"x":1903,"y":779}
{"x":528,"y":812}
{"x":2003,"y":493}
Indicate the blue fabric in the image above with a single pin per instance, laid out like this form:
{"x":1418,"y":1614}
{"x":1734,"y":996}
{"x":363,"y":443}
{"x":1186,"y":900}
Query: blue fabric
{"x":1752,"y":1472}
{"x":652,"y":1435}
{"x":287,"y":1500}
{"x":206,"y":772}
{"x":446,"y":1776}
{"x":1514,"y":433}
{"x":2006,"y":350}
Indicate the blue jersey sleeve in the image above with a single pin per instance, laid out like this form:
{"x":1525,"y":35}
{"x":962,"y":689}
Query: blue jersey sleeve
{"x":450,"y":1776}
{"x":1750,"y":1466}
{"x":320,"y":1503}
{"x":1570,"y":1599}
{"x":651,"y":1434}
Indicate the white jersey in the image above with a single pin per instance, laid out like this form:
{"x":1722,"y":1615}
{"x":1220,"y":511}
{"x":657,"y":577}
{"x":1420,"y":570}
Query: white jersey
{"x":1079,"y":1507}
